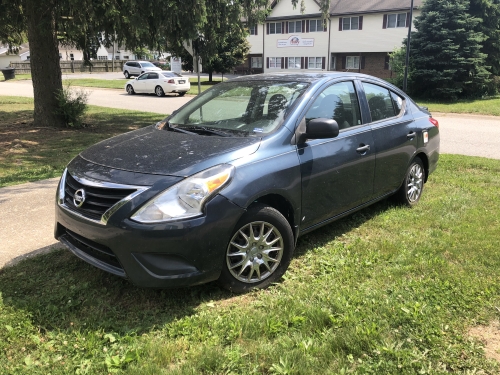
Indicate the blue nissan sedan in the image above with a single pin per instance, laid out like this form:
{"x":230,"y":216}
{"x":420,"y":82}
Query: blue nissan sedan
{"x":222,"y":188}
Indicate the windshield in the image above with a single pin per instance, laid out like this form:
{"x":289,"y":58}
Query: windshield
{"x":147,"y":65}
{"x":252,"y":108}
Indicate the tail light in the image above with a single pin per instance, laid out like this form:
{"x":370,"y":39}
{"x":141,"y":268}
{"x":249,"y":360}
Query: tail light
{"x":434,"y":122}
{"x":170,"y":81}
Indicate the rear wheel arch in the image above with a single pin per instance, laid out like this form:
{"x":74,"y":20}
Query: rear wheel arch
{"x":425,"y":160}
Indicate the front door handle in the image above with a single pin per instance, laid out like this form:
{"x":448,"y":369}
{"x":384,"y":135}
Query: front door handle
{"x":363,"y":149}
{"x":411,"y":135}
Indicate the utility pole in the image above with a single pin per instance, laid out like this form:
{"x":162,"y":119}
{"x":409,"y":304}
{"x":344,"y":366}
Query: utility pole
{"x":407,"y":60}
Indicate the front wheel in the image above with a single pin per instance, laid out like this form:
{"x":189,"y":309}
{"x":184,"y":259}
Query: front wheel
{"x":159,"y":91}
{"x":259,"y":251}
{"x":413,"y":185}
{"x":130,"y":90}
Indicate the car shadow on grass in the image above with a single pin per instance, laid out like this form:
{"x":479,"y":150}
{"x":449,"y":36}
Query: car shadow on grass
{"x":60,"y":292}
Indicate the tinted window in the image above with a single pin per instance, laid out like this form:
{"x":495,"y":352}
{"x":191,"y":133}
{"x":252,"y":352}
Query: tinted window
{"x":143,"y":76}
{"x":397,"y":102}
{"x":379,"y":101}
{"x":153,"y":76}
{"x":338,"y":102}
{"x":170,"y":74}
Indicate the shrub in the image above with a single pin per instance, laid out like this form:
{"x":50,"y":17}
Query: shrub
{"x":72,"y":105}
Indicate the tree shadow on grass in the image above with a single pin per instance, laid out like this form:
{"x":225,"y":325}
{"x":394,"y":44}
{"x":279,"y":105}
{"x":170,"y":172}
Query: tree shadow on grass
{"x":61,"y":292}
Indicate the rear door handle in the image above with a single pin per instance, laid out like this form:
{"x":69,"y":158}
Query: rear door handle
{"x":411,"y":135}
{"x":363,"y":149}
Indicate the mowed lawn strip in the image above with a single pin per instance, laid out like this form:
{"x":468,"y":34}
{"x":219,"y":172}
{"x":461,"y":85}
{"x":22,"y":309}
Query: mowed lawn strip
{"x":387,"y":290}
{"x":31,"y":153}
{"x":490,"y":106}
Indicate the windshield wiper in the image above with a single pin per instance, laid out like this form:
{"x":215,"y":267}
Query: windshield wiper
{"x":195,"y":129}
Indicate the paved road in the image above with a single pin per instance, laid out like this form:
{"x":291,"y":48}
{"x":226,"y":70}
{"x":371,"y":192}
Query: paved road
{"x":460,"y":134}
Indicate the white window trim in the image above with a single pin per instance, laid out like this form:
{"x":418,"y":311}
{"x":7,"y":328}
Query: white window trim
{"x":252,"y":28}
{"x":259,"y":65}
{"x":354,"y":59}
{"x":293,"y":66}
{"x":276,"y":61}
{"x":396,"y":23}
{"x":315,"y":63}
{"x":295,"y":26}
{"x":275,"y":23}
{"x":317,"y":22}
{"x":350,"y":23}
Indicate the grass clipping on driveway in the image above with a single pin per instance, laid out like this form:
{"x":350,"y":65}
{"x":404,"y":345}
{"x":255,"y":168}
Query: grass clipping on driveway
{"x":31,"y":153}
{"x":388,"y":290}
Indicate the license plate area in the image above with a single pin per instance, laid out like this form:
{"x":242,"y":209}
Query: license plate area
{"x":182,"y":81}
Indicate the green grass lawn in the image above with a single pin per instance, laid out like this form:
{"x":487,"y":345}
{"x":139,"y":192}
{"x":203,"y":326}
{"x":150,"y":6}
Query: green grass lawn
{"x":489,"y":106}
{"x":120,"y":83}
{"x":388,"y":290}
{"x":29,"y":153}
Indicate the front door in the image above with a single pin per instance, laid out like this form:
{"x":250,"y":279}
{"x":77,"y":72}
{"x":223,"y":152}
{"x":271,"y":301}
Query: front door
{"x":337,"y":173}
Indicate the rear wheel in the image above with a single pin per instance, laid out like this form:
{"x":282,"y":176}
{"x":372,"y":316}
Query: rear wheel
{"x":182,"y":93}
{"x":159,"y":91}
{"x":126,"y":74}
{"x":130,"y":90}
{"x":413,"y":185}
{"x":259,"y":251}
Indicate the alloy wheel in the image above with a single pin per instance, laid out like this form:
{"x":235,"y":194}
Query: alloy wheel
{"x":254,"y":252}
{"x":415,"y":183}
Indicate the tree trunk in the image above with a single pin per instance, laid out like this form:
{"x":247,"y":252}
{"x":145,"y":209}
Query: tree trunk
{"x":210,"y":76}
{"x":44,"y":58}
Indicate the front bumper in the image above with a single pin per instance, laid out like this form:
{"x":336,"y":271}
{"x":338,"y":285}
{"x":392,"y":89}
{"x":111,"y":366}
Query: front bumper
{"x":173,"y":254}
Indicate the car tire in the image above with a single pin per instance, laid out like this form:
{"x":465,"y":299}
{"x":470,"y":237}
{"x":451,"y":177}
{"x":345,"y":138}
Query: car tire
{"x":182,"y":93}
{"x":130,"y":90}
{"x":413,"y":185}
{"x":259,"y":251}
{"x":126,"y":74}
{"x":159,"y":91}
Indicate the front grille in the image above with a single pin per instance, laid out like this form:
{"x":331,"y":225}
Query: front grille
{"x":97,"y":199}
{"x":95,"y":250}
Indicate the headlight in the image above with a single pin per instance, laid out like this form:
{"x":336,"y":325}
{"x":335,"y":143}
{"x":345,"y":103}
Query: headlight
{"x":187,"y":198}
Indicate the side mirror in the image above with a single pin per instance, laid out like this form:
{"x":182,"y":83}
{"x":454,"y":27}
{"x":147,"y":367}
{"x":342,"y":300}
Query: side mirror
{"x":321,"y":128}
{"x":136,"y":78}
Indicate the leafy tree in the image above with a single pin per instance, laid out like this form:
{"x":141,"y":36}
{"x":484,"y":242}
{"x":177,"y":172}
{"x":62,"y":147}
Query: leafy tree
{"x":397,"y":61}
{"x":155,"y":24}
{"x":447,"y":61}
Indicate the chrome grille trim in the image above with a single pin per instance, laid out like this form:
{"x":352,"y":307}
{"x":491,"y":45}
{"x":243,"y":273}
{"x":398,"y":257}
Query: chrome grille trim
{"x":61,"y":196}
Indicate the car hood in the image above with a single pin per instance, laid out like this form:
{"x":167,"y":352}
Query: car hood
{"x":164,"y":152}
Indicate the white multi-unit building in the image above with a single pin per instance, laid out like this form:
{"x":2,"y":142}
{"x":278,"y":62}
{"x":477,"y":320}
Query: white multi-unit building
{"x":358,"y":36}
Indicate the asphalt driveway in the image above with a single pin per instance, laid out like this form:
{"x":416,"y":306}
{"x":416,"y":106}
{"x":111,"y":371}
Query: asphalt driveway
{"x":460,"y":134}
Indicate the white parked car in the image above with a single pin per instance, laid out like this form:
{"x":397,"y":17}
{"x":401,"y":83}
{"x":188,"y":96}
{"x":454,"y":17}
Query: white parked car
{"x":136,"y":68}
{"x":158,"y":83}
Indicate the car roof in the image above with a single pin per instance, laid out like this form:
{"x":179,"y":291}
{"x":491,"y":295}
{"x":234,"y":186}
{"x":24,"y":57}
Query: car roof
{"x":303,"y":77}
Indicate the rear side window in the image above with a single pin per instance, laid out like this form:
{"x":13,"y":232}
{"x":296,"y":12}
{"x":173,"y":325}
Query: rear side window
{"x":380,"y":102}
{"x":397,"y":102}
{"x":153,"y":76}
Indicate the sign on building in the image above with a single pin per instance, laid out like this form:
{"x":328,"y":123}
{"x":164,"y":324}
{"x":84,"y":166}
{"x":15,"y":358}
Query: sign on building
{"x":295,"y":41}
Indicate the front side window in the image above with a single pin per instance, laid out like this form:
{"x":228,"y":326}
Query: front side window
{"x":275,"y":62}
{"x":294,"y":63}
{"x":256,"y":62}
{"x":143,"y":76}
{"x":338,"y":102}
{"x":315,"y":63}
{"x":350,"y":23}
{"x":257,"y":108}
{"x":275,"y":28}
{"x":352,"y":62}
{"x":396,"y":20}
{"x":380,"y":101}
{"x":295,"y":27}
{"x":315,"y":25}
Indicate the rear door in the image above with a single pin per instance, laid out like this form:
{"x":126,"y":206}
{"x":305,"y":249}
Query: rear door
{"x":152,"y":82}
{"x":337,"y":173}
{"x":394,"y":134}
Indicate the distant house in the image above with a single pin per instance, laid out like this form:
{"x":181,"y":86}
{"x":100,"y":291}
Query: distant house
{"x":6,"y":57}
{"x":358,"y":36}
